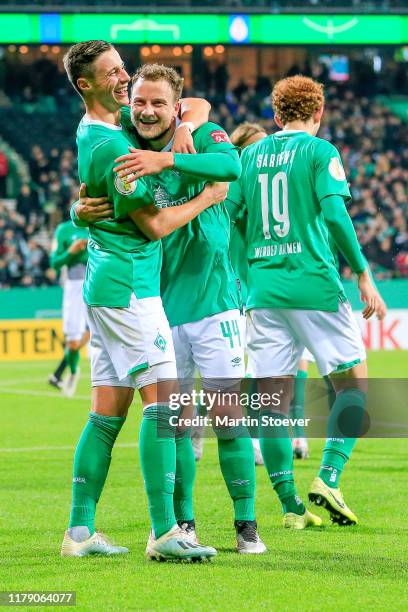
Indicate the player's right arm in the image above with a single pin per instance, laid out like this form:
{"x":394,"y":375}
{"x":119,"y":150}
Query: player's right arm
{"x":156,"y":223}
{"x":61,"y":255}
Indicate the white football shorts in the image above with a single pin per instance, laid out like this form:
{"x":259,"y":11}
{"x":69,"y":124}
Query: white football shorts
{"x":278,"y":336}
{"x":131,"y":347}
{"x":214,"y":346}
{"x":74,"y":314}
{"x":307,"y":356}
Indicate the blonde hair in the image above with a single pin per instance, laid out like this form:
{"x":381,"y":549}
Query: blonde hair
{"x":159,"y":72}
{"x":297,"y":98}
{"x":244,"y":132}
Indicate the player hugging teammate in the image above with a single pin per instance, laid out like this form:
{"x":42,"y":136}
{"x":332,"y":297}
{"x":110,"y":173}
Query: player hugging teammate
{"x":162,"y":296}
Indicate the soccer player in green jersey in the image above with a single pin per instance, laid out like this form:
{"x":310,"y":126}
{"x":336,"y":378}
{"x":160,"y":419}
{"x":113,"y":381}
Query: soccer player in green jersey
{"x":198,"y":285}
{"x":69,"y":250}
{"x":294,"y":189}
{"x":244,"y":135}
{"x":131,"y":343}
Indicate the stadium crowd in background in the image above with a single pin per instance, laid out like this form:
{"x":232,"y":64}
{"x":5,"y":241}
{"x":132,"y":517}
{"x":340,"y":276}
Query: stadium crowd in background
{"x":372,"y":141}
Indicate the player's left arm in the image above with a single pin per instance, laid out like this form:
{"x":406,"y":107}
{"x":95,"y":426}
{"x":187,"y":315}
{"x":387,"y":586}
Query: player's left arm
{"x":218,"y":160}
{"x":332,"y":191}
{"x":194,"y":112}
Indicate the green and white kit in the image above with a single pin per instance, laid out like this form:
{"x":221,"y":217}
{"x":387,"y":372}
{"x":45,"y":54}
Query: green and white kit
{"x":74,"y":316}
{"x":122,"y":283}
{"x":286,"y":179}
{"x":198,"y":284}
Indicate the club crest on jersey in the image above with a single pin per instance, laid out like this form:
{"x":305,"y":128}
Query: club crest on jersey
{"x":122,"y":185}
{"x":219,"y":136}
{"x":160,"y":342}
{"x":336,"y":169}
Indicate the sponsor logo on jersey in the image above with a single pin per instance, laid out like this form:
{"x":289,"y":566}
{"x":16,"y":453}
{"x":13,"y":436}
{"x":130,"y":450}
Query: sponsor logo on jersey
{"x":236,"y":361}
{"x":160,"y":342}
{"x":336,"y":169}
{"x":219,"y":136}
{"x":161,"y":197}
{"x":79,"y":479}
{"x":122,"y":185}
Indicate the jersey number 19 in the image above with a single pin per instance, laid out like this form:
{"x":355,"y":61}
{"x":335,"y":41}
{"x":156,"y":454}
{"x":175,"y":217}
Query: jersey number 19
{"x":280,"y":209}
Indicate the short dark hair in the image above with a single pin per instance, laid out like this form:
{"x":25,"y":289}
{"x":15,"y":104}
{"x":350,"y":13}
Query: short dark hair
{"x":158,"y":72}
{"x":79,"y":58}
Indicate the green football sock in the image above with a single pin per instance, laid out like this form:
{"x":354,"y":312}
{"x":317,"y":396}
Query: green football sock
{"x":185,"y":477}
{"x":253,"y":413}
{"x":297,"y":409}
{"x":91,"y":465}
{"x":276,"y":447}
{"x":72,"y":358}
{"x":345,"y":418}
{"x":331,"y":393}
{"x":236,"y":456}
{"x":158,"y":461}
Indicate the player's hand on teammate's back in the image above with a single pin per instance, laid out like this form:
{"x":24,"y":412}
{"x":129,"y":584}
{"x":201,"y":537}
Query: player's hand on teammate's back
{"x":217,"y":191}
{"x":139,"y":163}
{"x":371,"y":297}
{"x":77,"y":246}
{"x":183,"y":140}
{"x":93,"y":209}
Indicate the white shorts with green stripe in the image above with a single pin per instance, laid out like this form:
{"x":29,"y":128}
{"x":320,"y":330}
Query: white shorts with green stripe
{"x":131,"y":347}
{"x":214,"y":346}
{"x":277,"y":337}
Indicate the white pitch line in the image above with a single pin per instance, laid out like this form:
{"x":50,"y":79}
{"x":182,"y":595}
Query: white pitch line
{"x":32,"y":449}
{"x":23,"y":381}
{"x":56,"y":395}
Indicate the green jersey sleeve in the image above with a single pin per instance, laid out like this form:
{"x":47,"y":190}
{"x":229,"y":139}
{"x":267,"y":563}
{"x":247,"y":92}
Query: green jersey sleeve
{"x":330,"y":178}
{"x":124,"y":196}
{"x":343,"y":233}
{"x":59,"y":254}
{"x":235,"y":201}
{"x":216,"y":159}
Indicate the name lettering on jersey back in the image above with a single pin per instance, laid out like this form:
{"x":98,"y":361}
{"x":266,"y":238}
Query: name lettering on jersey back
{"x":286,"y":248}
{"x":273,"y":160}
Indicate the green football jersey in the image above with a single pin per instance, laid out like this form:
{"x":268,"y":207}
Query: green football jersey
{"x":197,"y":278}
{"x":122,"y":260}
{"x":65,"y":235}
{"x":238,"y":255}
{"x":284,"y":178}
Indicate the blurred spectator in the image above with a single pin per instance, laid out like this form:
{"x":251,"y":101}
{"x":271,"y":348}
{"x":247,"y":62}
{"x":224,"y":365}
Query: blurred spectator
{"x":23,"y":257}
{"x":27,"y":201}
{"x":4,"y":169}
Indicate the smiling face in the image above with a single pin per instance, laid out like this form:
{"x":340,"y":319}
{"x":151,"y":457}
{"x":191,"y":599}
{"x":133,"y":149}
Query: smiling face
{"x":154,"y":108}
{"x":108,"y":83}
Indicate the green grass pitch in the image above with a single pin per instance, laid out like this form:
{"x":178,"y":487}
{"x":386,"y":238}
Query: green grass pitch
{"x":364,"y":567}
